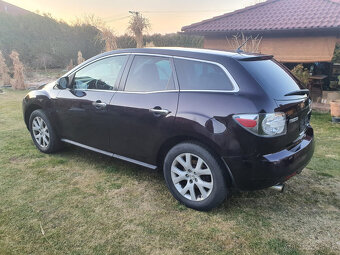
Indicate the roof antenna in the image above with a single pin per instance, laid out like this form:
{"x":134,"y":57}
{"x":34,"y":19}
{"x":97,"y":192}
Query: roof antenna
{"x":239,"y":48}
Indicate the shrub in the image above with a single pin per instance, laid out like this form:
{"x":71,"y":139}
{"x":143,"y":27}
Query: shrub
{"x":336,"y":55}
{"x":108,"y":36}
{"x":245,"y":43}
{"x":158,"y":40}
{"x":4,"y":71}
{"x":43,"y":41}
{"x":175,"y":40}
{"x":301,"y":73}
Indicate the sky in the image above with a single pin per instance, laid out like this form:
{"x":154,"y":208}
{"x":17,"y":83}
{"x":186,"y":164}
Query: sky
{"x":166,"y":16}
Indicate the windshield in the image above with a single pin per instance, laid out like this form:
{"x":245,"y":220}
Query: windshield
{"x":274,"y":79}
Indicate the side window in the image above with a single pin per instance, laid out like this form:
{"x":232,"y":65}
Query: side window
{"x":149,"y":73}
{"x":197,"y":75}
{"x":101,"y":74}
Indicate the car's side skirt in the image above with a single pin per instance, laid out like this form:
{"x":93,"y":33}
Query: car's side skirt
{"x":109,"y":154}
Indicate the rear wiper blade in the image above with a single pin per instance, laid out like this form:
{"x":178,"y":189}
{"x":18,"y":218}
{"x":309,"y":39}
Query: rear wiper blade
{"x":298,"y":92}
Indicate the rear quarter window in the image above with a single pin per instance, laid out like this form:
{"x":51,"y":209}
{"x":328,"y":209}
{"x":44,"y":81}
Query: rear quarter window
{"x":273,"y":78}
{"x":198,"y":75}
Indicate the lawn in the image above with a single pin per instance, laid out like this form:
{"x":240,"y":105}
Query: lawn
{"x":81,"y":202}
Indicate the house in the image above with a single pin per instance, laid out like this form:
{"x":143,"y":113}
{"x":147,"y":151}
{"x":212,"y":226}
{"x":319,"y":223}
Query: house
{"x":294,"y":31}
{"x":291,"y":30}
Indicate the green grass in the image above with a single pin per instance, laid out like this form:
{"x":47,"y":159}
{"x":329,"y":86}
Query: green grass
{"x":326,"y":160}
{"x":80,"y":202}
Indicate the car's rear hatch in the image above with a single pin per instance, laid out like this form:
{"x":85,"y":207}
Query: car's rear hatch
{"x":287,"y":92}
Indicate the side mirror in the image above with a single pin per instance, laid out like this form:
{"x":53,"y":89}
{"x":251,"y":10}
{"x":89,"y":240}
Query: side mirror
{"x":62,"y":83}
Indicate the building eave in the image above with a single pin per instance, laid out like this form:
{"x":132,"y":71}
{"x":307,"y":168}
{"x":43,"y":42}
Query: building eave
{"x":280,"y":32}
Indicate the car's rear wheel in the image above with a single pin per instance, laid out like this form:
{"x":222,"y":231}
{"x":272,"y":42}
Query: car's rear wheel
{"x":194,"y":176}
{"x":42,"y":132}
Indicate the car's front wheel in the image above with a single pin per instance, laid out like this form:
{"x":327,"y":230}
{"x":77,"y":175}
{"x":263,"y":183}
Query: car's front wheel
{"x":194,"y":176}
{"x":42,"y":132}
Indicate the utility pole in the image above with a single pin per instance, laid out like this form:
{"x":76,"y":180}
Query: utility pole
{"x":134,"y":13}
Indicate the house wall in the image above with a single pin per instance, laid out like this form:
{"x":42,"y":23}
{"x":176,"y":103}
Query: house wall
{"x":301,"y":49}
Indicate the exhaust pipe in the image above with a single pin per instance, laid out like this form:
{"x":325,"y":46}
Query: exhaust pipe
{"x":278,"y":187}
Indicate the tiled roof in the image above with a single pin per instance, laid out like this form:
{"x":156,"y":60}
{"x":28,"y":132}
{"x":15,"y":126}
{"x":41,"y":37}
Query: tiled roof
{"x":274,"y":15}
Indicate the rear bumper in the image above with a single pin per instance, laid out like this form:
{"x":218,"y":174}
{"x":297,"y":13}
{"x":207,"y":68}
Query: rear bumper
{"x":263,"y":171}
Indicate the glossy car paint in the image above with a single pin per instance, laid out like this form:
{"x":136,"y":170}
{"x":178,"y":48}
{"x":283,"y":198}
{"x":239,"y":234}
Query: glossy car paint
{"x":127,"y":128}
{"x":80,"y":121}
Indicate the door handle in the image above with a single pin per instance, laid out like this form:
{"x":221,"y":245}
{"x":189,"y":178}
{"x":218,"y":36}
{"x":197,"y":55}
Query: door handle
{"x":159,"y":111}
{"x":99,"y":104}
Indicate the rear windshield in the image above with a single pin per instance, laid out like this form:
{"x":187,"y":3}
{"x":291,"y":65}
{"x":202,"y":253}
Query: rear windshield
{"x":275,"y":80}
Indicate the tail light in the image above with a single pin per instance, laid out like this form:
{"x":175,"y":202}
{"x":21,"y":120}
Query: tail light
{"x":263,"y":124}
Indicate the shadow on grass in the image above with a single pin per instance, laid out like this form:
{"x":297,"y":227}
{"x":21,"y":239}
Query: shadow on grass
{"x":304,"y":190}
{"x":108,"y":164}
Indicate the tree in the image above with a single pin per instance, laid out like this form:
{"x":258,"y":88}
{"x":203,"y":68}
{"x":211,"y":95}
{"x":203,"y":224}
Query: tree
{"x":108,"y":36}
{"x":18,"y":79}
{"x":80,"y":58}
{"x":137,"y":25}
{"x":4,"y":71}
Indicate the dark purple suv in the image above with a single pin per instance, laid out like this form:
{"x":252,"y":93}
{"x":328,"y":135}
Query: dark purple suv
{"x":212,"y":120}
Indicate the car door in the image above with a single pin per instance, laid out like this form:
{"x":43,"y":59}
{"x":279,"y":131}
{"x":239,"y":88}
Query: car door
{"x":82,"y":110}
{"x":144,"y":108}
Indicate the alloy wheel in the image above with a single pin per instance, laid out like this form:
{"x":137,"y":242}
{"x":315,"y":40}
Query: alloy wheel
{"x":192,"y":177}
{"x":40,"y":132}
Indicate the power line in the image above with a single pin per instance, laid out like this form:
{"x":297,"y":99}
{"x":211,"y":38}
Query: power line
{"x":116,"y":19}
{"x":168,"y":12}
{"x":179,"y":11}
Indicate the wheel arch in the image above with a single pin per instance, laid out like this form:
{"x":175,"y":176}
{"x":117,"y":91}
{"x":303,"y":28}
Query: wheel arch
{"x":171,"y":142}
{"x":31,"y":108}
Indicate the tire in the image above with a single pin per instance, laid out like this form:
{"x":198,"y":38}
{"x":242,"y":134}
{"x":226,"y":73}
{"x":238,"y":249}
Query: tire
{"x":39,"y":124}
{"x":201,"y":184}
